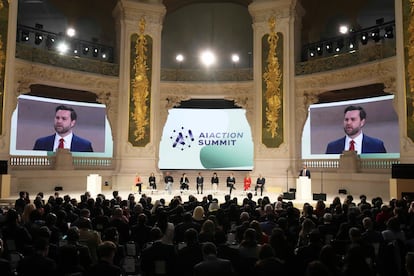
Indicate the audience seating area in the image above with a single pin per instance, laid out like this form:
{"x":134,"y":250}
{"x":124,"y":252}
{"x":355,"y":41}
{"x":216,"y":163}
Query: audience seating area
{"x":61,"y":235}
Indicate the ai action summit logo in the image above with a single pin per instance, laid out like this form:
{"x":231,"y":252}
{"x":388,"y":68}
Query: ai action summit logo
{"x":182,"y":138}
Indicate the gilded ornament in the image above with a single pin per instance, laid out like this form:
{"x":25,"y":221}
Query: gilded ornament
{"x":140,"y":85}
{"x":272,"y":77}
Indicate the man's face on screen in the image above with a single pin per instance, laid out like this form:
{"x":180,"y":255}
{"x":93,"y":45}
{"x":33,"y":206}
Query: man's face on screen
{"x":353,"y":123}
{"x":63,"y":122}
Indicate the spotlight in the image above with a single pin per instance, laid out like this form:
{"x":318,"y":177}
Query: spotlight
{"x":70,"y":32}
{"x":375,"y":35}
{"x":85,"y":50}
{"x":208,"y":58}
{"x":312,"y":52}
{"x":389,"y":32}
{"x":38,"y":38}
{"x":328,"y":47}
{"x":50,"y":41}
{"x":364,"y":38}
{"x":95,"y":52}
{"x":25,"y":36}
{"x":235,"y":58}
{"x":339,"y":45}
{"x":179,"y":58}
{"x":343,"y":29}
{"x":319,"y":50}
{"x":62,"y":47}
{"x":351,"y":44}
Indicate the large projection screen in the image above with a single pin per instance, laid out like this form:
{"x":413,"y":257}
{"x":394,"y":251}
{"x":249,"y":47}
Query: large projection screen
{"x":206,"y":139}
{"x":34,"y":118}
{"x":325,"y":124}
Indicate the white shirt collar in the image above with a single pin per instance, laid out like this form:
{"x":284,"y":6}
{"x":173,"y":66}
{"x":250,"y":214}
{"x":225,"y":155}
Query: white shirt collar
{"x":67,"y":143}
{"x":357,"y":145}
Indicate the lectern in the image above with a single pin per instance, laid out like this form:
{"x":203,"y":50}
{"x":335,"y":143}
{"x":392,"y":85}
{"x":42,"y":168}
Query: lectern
{"x":303,"y":188}
{"x":94,"y":184}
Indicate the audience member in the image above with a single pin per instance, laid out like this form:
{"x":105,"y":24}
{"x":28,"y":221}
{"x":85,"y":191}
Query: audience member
{"x":38,"y":263}
{"x":212,"y":265}
{"x":106,"y":252}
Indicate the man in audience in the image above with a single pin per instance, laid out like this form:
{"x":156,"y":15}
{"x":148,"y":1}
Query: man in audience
{"x":105,"y":266}
{"x":211,"y":264}
{"x":38,"y":263}
{"x":159,"y":258}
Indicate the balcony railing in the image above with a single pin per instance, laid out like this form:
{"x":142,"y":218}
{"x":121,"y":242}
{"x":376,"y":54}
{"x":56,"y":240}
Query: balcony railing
{"x":366,"y":45}
{"x":48,"y":163}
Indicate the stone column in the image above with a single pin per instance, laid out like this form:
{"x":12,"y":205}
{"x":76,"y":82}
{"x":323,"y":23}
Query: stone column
{"x":285,"y":13}
{"x":131,"y":16}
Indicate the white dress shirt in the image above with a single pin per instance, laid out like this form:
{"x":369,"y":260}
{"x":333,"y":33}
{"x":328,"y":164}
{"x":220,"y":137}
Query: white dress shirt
{"x":357,"y":144}
{"x":67,"y":141}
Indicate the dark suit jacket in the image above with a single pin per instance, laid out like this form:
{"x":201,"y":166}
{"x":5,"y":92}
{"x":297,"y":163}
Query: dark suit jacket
{"x":160,"y":254}
{"x":213,"y":266}
{"x":78,"y":144}
{"x":307,"y":173}
{"x":369,"y":145}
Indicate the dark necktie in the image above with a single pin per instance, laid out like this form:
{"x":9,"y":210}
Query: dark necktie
{"x":61,"y":145}
{"x":352,"y":145}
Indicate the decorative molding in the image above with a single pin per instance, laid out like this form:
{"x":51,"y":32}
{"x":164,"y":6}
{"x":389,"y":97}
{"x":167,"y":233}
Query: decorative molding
{"x":131,"y":10}
{"x":263,"y":10}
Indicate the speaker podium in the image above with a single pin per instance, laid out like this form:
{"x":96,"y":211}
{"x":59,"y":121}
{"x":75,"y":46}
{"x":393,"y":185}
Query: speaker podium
{"x":94,"y":184}
{"x":303,"y":188}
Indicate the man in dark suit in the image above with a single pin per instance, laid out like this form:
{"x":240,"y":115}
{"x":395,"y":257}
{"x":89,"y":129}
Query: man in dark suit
{"x":355,"y":140}
{"x":231,"y":181}
{"x":211,"y":264}
{"x":65,"y":120}
{"x":305,"y":172}
{"x":159,"y":258}
{"x":200,"y":183}
{"x":38,"y":263}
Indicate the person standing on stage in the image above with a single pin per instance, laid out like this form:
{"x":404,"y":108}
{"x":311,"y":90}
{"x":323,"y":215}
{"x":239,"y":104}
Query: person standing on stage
{"x":200,"y":183}
{"x":305,"y":172}
{"x":184,"y":182}
{"x":247,"y":182}
{"x":168,"y":180}
{"x":152,"y":182}
{"x":138,"y":182}
{"x":231,"y":181}
{"x":214,"y":182}
{"x":260,"y":182}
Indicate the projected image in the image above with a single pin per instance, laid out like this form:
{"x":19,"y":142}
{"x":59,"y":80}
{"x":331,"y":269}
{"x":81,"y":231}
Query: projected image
{"x":217,"y":139}
{"x":41,"y":125}
{"x":368,"y":126}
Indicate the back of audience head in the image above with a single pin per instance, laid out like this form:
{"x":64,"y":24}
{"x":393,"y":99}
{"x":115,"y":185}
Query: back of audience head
{"x":155,"y":234}
{"x":73,"y":234}
{"x":106,"y":250}
{"x":317,"y":268}
{"x":209,"y":249}
{"x":191,"y":236}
